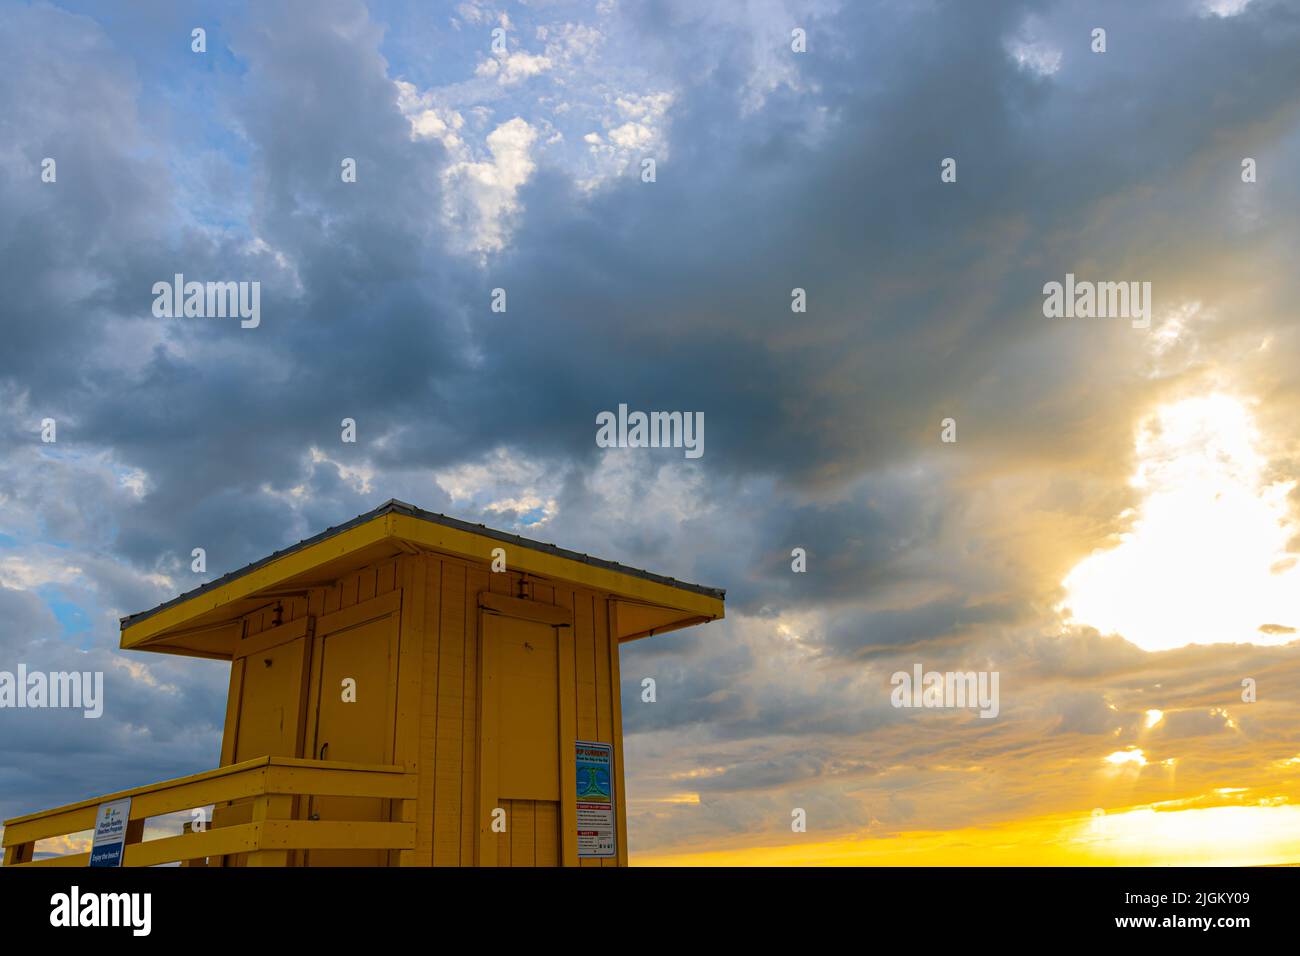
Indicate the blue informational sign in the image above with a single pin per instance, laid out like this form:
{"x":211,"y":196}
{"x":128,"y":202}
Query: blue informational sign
{"x":110,"y":833}
{"x":595,"y":797}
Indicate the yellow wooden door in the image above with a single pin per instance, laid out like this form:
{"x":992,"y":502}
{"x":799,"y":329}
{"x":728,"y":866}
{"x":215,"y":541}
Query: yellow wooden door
{"x":270,"y":698}
{"x":354,"y":723}
{"x":520,"y":747}
{"x":528,"y":721}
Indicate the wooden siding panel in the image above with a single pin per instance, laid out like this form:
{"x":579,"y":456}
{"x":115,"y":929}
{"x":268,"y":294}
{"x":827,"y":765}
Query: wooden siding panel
{"x":476,"y":580}
{"x":547,"y":829}
{"x":431,"y":576}
{"x":521,"y":834}
{"x":604,"y":716}
{"x":450,"y":728}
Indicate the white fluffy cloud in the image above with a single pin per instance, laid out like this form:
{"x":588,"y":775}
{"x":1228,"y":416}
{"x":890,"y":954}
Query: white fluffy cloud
{"x":480,"y":185}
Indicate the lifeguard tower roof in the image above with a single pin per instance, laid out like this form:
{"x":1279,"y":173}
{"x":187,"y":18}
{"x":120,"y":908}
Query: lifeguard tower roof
{"x":206,"y":622}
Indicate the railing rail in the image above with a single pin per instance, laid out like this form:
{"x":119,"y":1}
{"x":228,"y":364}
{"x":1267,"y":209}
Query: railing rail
{"x":265,"y":829}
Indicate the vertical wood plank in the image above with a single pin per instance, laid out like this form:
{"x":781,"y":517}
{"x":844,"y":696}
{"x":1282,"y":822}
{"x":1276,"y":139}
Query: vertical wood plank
{"x":604,"y":707}
{"x":585,"y":664}
{"x":333,"y":598}
{"x":348,"y":590}
{"x":431,"y":575}
{"x":616,"y":710}
{"x":388,"y":574}
{"x":522,"y":849}
{"x":504,"y":855}
{"x":490,"y":845}
{"x":584,"y":642}
{"x":502,"y":582}
{"x":450,"y":729}
{"x":600,"y":642}
{"x":476,"y":580}
{"x":270,"y":807}
{"x":366,"y":579}
{"x":548,"y":833}
{"x":230,"y":733}
{"x":568,"y":811}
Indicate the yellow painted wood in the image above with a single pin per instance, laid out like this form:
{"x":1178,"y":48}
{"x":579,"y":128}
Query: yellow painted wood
{"x":167,"y":796}
{"x":268,"y":807}
{"x":18,"y":853}
{"x":351,"y":837}
{"x":523,"y":833}
{"x":250,"y":778}
{"x":552,"y":566}
{"x":488,"y":788}
{"x":360,"y":729}
{"x":525,"y":711}
{"x":584,"y":638}
{"x":265,"y":640}
{"x":502,"y":843}
{"x":456,"y":717}
{"x":230,"y":731}
{"x":411,"y":637}
{"x":447,"y":813}
{"x":476,"y":581}
{"x":310,"y":764}
{"x":568,"y":810}
{"x":584,"y":645}
{"x":353,"y":613}
{"x":528,"y":736}
{"x":270,"y":707}
{"x":525,"y":610}
{"x":263,"y":578}
{"x":263,"y":842}
{"x":432,"y":576}
{"x":601,"y":639}
{"x":406,"y":856}
{"x":171,"y":849}
{"x":546,"y":834}
{"x":326,"y":781}
{"x":407,"y":572}
{"x":366,"y":583}
{"x":390,"y":530}
{"x":616,"y":715}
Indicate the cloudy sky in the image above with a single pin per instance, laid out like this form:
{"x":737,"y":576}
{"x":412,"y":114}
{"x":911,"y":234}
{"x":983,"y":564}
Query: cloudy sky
{"x":1114,"y":531}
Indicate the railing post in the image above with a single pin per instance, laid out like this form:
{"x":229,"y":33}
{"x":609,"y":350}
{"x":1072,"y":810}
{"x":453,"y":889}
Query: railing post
{"x":19,"y":853}
{"x":407,"y":857}
{"x":134,"y":832}
{"x":270,"y":807}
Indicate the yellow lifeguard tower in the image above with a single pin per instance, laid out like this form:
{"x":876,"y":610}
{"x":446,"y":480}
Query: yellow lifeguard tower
{"x":405,"y":689}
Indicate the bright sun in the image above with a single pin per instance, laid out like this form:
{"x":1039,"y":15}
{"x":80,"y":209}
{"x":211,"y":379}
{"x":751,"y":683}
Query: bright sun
{"x":1205,"y":560}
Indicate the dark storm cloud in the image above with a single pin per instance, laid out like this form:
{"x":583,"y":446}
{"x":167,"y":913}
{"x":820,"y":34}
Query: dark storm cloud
{"x":23,"y":613}
{"x":670,"y":295}
{"x":865,"y":633}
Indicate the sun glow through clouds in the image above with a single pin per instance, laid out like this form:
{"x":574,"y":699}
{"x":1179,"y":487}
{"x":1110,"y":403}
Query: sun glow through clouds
{"x":1205,"y":559}
{"x":1132,"y":756}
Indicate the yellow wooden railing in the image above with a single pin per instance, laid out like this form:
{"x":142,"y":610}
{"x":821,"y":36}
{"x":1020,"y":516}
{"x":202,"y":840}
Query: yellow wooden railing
{"x":260,"y":818}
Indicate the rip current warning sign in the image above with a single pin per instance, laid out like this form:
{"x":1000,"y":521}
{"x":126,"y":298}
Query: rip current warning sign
{"x":595,"y":794}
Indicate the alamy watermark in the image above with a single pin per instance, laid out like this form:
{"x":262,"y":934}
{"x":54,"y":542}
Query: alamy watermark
{"x":1100,"y":300}
{"x":74,"y":908}
{"x":209,"y":300}
{"x":946,"y":689}
{"x":651,"y":430}
{"x":58,"y":689}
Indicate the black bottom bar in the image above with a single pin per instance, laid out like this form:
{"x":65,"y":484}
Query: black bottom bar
{"x":633,"y":908}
